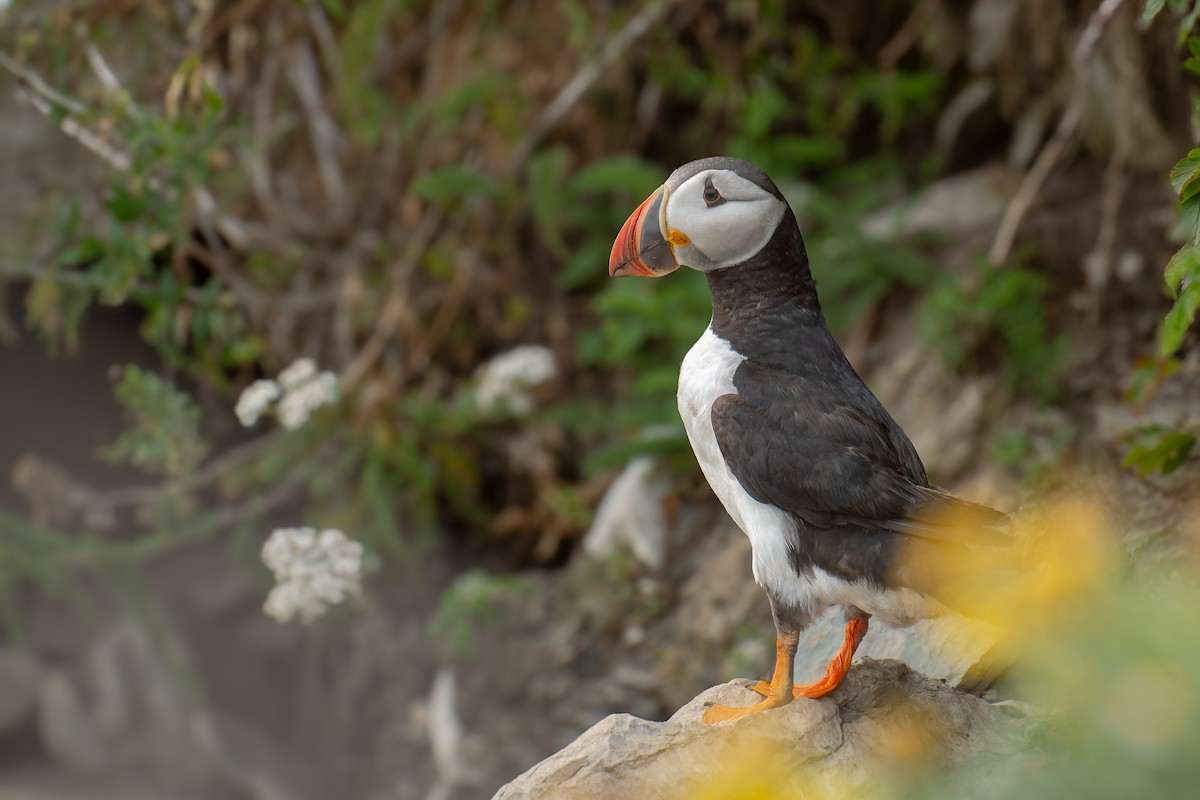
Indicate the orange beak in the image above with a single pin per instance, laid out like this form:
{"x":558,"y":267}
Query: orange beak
{"x":640,"y":248}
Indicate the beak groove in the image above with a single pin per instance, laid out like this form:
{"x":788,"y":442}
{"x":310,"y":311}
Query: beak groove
{"x":640,"y":248}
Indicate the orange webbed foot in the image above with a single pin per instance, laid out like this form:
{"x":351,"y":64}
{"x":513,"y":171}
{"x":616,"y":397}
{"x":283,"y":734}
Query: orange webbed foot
{"x":720,"y":713}
{"x":778,"y":691}
{"x":856,"y":629}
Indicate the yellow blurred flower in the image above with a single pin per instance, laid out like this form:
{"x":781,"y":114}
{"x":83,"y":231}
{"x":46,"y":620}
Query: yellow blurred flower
{"x":1031,"y":580}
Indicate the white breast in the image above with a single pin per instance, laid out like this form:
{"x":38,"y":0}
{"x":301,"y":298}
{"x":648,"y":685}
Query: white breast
{"x":706,"y":374}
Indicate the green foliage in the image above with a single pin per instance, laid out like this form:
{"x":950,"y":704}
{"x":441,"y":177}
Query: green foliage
{"x":1036,"y":455}
{"x":855,"y":272}
{"x":1011,"y":447}
{"x":135,"y":250}
{"x":1188,"y":9}
{"x":363,"y":105}
{"x":577,"y":215}
{"x":454,"y":183}
{"x":644,"y":328}
{"x":55,"y":309}
{"x":1156,"y":448}
{"x":165,"y":435}
{"x":802,"y":98}
{"x":474,"y":599}
{"x":1183,"y":282}
{"x":1123,"y":684}
{"x":1181,"y":272}
{"x":960,"y":317}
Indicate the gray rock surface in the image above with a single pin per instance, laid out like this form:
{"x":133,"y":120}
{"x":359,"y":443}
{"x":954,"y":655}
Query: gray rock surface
{"x":953,"y":205}
{"x":632,"y":514}
{"x":883,"y":713}
{"x":20,"y":678}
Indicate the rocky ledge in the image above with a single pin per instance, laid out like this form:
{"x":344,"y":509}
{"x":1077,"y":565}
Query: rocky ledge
{"x":884,"y":720}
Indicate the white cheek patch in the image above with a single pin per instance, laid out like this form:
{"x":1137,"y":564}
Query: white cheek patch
{"x":728,"y":233}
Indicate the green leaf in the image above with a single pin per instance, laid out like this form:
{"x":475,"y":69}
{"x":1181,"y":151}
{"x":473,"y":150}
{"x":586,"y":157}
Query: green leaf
{"x":1155,"y":448}
{"x":454,"y":182}
{"x":125,"y":206}
{"x":213,"y":100}
{"x":1184,"y":174}
{"x":626,"y":173}
{"x":1175,"y":325}
{"x":165,"y":435}
{"x":1153,"y":7}
{"x":1183,"y":281}
{"x":1189,"y":219}
{"x":1183,"y":268}
{"x":1189,"y":21}
{"x":546,"y":172}
{"x":810,"y":149}
{"x":587,"y":264}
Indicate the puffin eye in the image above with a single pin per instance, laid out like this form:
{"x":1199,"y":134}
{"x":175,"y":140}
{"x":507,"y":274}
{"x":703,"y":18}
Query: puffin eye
{"x":712,"y":196}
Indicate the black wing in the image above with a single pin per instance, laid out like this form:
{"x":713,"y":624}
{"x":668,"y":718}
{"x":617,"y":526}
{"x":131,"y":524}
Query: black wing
{"x":830,"y":454}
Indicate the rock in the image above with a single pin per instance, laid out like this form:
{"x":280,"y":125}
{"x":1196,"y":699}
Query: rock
{"x":139,"y":704}
{"x":632,"y":514}
{"x":246,"y":764}
{"x":120,"y":705}
{"x":911,"y":381}
{"x":66,"y":727}
{"x":955,"y":205}
{"x":990,"y":24}
{"x":884,"y":715}
{"x":19,"y":675}
{"x":720,"y":595}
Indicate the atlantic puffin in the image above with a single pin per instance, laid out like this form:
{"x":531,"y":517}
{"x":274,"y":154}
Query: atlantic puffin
{"x":808,"y":463}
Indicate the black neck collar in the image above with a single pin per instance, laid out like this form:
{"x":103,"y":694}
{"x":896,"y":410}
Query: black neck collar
{"x":772,"y":289}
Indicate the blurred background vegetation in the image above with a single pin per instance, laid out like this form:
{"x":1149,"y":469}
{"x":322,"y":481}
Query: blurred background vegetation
{"x":404,"y":190}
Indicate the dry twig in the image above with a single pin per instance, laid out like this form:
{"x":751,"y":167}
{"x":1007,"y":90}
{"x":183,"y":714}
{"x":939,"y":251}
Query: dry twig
{"x":575,"y":89}
{"x":1053,"y":150}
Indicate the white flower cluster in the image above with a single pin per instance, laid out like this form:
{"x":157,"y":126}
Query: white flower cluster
{"x":299,"y":390}
{"x":256,"y":399}
{"x":313,"y":571}
{"x":502,"y":383}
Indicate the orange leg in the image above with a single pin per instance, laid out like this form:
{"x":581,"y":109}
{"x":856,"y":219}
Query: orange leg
{"x":856,"y":629}
{"x":779,"y":690}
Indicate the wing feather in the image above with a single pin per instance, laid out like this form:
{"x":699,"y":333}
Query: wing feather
{"x":833,"y":462}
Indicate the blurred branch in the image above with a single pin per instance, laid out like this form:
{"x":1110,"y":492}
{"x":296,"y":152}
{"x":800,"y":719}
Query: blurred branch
{"x":575,"y":89}
{"x":325,"y":136}
{"x":34,"y":81}
{"x":1098,"y":264}
{"x":214,"y":470}
{"x":296,"y":301}
{"x":57,"y":107}
{"x":1053,"y":150}
{"x":904,"y":38}
{"x":396,"y":303}
{"x":89,"y":551}
{"x":56,"y":497}
{"x":83,"y":280}
{"x":108,"y":78}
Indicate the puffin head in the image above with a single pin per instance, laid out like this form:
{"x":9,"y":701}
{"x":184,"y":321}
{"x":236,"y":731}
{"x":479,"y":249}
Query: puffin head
{"x":710,"y":214}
